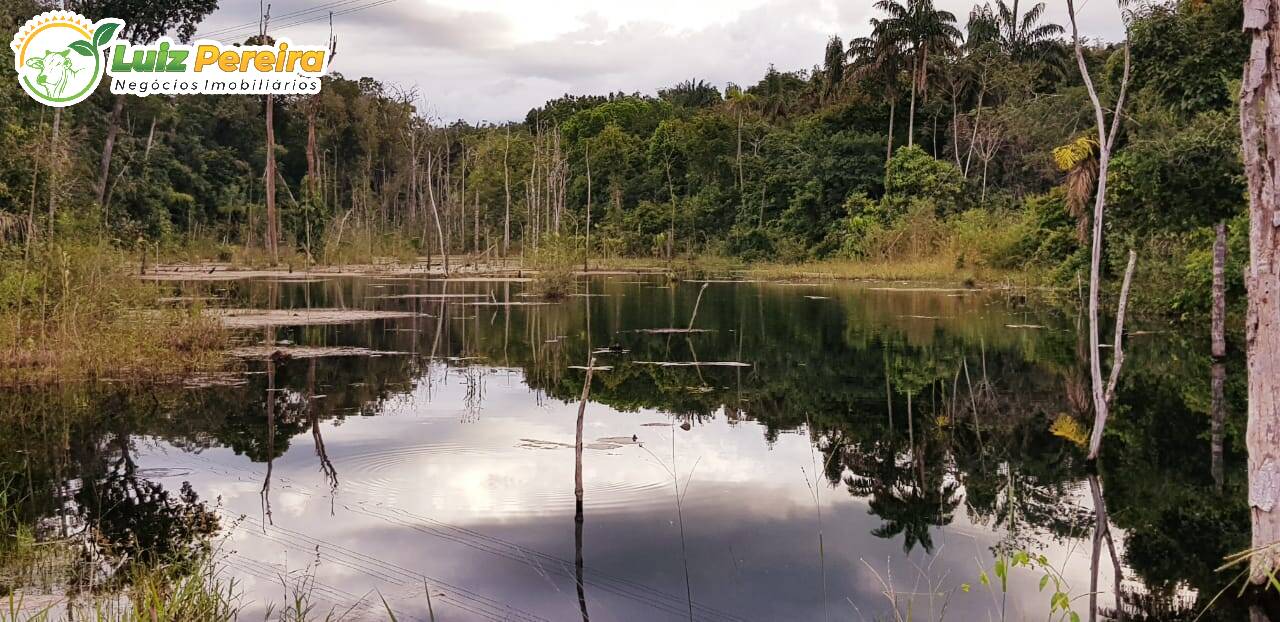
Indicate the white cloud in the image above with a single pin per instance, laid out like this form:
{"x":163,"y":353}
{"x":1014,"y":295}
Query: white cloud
{"x":495,"y":59}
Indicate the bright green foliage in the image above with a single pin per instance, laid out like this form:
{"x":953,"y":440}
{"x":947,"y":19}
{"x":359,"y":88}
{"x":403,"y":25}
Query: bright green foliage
{"x":790,"y":167}
{"x":1189,"y":52}
{"x":914,"y":174}
{"x":1180,"y":177}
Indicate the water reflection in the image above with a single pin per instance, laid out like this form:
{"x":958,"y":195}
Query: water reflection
{"x":945,"y":426}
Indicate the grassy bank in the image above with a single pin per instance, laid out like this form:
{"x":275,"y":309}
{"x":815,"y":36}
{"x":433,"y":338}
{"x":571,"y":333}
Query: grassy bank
{"x":77,"y":311}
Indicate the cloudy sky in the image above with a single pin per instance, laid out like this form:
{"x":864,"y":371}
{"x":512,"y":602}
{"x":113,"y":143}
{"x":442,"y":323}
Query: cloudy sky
{"x":492,"y":60}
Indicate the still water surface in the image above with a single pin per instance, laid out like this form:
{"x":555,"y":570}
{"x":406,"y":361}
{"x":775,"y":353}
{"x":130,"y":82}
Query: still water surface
{"x":827,"y":442}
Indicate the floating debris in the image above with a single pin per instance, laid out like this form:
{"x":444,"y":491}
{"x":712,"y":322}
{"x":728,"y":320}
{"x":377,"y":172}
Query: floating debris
{"x":924,"y":317}
{"x":620,"y":440}
{"x":939,"y":290}
{"x":513,"y":303}
{"x":610,"y":351}
{"x":596,"y":368}
{"x":426,"y":296}
{"x":673,"y":331}
{"x":1030,"y":326}
{"x":693,"y":363}
{"x":533,"y":443}
{"x":216,"y":379}
{"x":307,"y":352}
{"x":489,"y":279}
{"x":175,"y":299}
{"x":818,"y":297}
{"x":257,"y":318}
{"x":655,"y":425}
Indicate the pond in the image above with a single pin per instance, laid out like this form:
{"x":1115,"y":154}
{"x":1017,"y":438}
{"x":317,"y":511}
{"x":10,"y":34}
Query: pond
{"x":751,"y":451}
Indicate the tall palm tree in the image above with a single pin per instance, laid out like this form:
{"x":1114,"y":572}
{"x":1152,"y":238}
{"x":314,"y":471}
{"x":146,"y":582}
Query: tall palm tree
{"x":777,"y":96}
{"x":918,"y":30}
{"x":833,"y":67}
{"x":1023,"y":36}
{"x":739,"y":102}
{"x":882,"y":67}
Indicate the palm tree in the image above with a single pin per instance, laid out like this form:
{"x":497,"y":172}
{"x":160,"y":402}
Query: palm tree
{"x":1023,"y":37}
{"x":916,"y":30}
{"x":883,"y":68}
{"x":739,"y":102}
{"x":833,"y":67}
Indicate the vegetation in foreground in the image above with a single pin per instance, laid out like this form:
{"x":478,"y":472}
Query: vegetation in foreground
{"x":78,"y":311}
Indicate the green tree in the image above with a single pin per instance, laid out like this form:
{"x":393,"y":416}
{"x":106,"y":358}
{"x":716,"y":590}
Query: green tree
{"x":919,"y":30}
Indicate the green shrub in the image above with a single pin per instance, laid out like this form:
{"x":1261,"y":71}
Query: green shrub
{"x":913,"y":175}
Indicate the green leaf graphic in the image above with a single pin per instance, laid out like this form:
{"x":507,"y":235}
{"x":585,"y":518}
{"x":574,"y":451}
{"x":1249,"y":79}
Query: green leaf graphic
{"x":82,"y":48}
{"x":103,"y":34}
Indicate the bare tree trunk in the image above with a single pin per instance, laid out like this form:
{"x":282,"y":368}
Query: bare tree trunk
{"x":578,"y":492}
{"x":1218,"y":383}
{"x":741,"y":189}
{"x":911,"y":116}
{"x":888,"y":154}
{"x":435,"y":214}
{"x":1106,"y":140}
{"x":506,"y":187}
{"x":587,"y":257}
{"x":1260,"y":133}
{"x":1219,"y":329}
{"x":671,"y":190}
{"x":1219,"y":351}
{"x":55,"y":152}
{"x":273,"y":235}
{"x":104,"y":165}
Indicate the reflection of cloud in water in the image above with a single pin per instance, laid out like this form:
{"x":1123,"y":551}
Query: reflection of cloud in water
{"x":431,"y":496}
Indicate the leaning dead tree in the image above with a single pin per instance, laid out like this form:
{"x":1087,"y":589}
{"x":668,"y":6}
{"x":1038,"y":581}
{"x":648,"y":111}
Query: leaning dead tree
{"x":1103,"y":394}
{"x":1260,"y":135}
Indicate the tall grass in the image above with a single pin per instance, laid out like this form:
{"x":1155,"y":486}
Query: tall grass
{"x":77,"y":311}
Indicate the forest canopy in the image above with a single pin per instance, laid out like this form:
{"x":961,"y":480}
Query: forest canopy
{"x":964,"y":138}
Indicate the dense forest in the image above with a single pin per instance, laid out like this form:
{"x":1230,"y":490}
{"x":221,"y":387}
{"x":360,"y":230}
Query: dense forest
{"x":964,"y":139}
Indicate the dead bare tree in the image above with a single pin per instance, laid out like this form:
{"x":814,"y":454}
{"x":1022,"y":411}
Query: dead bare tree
{"x":1103,"y":394}
{"x":273,"y":233}
{"x":1259,"y":127}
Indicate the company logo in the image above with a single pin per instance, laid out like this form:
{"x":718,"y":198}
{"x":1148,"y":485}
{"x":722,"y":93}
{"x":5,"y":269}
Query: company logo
{"x":59,"y":56}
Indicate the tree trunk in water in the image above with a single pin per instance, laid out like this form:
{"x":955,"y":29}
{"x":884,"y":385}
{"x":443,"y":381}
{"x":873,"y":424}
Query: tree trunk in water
{"x":1102,"y":394}
{"x":1260,"y":134}
{"x":587,"y":258}
{"x":1219,"y":351}
{"x":506,"y":187}
{"x":1218,"y":384}
{"x":1219,"y":346}
{"x":104,"y":166}
{"x":435,"y":214}
{"x":671,"y":239}
{"x":273,"y":235}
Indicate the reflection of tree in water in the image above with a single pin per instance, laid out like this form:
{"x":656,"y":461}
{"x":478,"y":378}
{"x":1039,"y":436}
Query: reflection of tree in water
{"x":906,"y":495}
{"x":126,"y":520}
{"x":134,"y":522}
{"x":985,"y":451}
